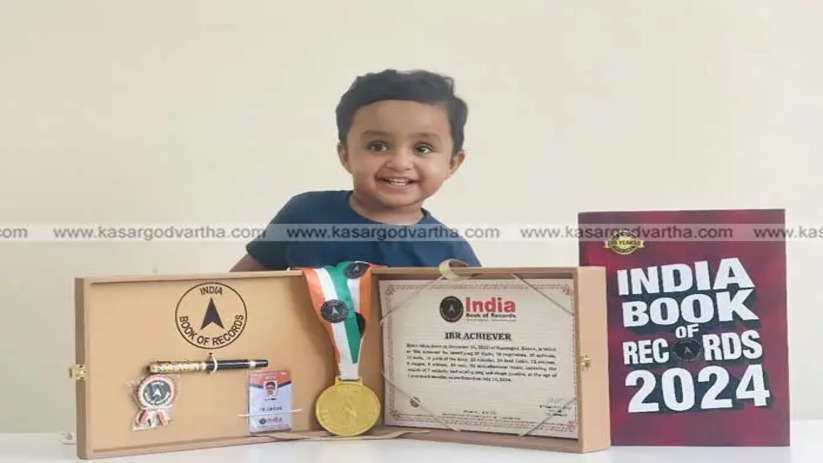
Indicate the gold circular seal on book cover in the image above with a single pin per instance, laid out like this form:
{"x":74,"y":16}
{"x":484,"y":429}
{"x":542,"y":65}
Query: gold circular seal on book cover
{"x":348,"y":408}
{"x":624,"y":242}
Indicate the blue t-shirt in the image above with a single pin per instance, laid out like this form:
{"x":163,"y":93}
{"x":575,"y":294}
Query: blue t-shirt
{"x":332,"y":207}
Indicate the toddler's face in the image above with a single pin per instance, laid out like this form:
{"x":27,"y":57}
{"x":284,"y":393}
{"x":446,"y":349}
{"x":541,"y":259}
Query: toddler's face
{"x":399,"y":153}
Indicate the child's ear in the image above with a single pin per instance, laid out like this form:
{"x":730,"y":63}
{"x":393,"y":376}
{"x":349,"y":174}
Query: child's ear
{"x":455,"y":161}
{"x":343,"y":154}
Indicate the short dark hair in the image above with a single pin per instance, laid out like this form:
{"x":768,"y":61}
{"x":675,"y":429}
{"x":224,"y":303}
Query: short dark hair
{"x":421,"y":86}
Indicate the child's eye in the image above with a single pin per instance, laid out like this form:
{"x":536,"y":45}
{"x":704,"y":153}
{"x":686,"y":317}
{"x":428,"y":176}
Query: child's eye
{"x":424,"y":149}
{"x":377,"y":146}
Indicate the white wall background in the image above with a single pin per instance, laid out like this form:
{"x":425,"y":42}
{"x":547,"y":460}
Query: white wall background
{"x":218,"y":111}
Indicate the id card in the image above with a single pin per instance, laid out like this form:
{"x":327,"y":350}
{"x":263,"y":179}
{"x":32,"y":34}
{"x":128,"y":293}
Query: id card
{"x":269,"y":401}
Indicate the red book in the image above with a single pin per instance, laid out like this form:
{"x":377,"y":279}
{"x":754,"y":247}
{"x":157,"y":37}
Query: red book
{"x":698,"y":352}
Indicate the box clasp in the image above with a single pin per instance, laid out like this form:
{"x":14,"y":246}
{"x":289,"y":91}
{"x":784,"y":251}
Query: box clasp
{"x":77,"y":372}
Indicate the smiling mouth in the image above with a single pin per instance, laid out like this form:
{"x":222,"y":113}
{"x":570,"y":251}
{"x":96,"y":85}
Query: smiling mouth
{"x":398,"y":182}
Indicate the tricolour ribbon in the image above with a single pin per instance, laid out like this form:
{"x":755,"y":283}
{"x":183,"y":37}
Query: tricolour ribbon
{"x":342,"y":298}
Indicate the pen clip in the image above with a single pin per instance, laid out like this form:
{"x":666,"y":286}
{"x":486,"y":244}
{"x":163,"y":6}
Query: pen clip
{"x":213,"y":361}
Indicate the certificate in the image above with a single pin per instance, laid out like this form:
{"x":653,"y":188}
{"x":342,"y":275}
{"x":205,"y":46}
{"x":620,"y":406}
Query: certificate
{"x":491,"y":355}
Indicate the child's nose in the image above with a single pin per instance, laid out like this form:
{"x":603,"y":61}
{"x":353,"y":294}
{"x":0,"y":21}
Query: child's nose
{"x":401,"y":159}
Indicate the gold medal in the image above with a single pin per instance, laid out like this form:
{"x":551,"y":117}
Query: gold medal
{"x":341,"y":296}
{"x":348,"y":408}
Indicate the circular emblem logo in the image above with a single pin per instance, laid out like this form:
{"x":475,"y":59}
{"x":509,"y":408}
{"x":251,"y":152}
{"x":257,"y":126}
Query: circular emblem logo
{"x":687,"y":349}
{"x":451,"y":309}
{"x":624,"y":242}
{"x":334,"y":310}
{"x":355,"y":270}
{"x":211,"y":315}
{"x":156,"y":391}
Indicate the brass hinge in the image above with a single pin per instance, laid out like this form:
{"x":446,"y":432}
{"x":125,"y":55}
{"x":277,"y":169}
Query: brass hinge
{"x":77,"y":372}
{"x":585,"y":362}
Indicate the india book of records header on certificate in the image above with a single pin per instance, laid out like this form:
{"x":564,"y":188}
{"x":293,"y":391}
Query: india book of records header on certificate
{"x":491,"y":355}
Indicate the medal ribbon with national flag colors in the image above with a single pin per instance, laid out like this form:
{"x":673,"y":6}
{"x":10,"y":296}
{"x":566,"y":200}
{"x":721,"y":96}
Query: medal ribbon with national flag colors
{"x":342,"y":297}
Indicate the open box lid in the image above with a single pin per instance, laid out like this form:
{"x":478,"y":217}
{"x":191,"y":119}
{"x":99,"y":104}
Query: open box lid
{"x":124,"y":323}
{"x":589,"y":286}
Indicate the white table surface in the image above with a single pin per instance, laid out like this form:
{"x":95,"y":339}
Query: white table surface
{"x":807,"y":446}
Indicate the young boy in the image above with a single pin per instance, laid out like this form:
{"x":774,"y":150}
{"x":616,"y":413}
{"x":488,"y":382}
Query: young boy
{"x":400,"y":137}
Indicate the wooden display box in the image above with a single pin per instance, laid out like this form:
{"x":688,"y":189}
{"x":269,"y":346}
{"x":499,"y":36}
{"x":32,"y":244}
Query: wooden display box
{"x":125,"y":323}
